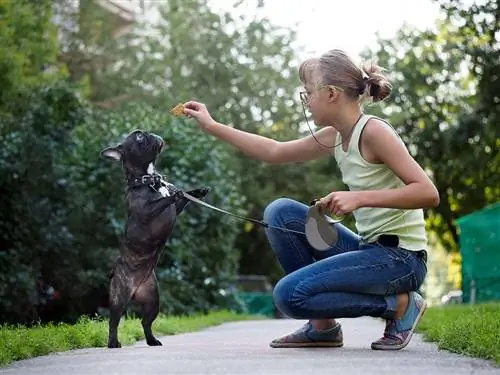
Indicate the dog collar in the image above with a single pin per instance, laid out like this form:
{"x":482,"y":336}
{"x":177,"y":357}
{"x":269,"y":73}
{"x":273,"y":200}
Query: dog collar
{"x":147,"y":179}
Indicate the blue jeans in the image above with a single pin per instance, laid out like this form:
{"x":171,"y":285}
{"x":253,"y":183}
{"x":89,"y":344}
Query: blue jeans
{"x":350,"y":279}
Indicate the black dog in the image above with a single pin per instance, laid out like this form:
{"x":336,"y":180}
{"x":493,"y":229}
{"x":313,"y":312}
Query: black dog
{"x":153,"y":206}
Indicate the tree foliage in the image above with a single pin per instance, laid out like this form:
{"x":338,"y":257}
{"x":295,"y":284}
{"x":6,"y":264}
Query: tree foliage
{"x":28,"y":46}
{"x":36,"y":243}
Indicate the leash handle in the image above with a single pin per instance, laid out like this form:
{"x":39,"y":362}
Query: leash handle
{"x":255,"y":221}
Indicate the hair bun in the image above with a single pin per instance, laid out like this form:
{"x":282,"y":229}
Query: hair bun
{"x":378,"y":86}
{"x":374,"y":90}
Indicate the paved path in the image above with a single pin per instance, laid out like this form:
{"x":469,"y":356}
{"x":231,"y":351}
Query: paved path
{"x":242,"y":348}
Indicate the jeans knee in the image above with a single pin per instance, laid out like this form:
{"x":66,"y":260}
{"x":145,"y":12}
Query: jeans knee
{"x":273,"y":212}
{"x":281,"y":296}
{"x":284,"y":298}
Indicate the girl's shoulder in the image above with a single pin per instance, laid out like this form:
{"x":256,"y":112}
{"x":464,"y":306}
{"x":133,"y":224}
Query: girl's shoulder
{"x":377,"y":125}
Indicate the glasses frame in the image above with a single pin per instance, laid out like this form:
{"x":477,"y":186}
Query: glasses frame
{"x":305,"y":97}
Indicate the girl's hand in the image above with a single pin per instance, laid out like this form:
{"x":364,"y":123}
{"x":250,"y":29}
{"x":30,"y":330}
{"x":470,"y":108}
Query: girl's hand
{"x":340,"y":203}
{"x":200,"y":113}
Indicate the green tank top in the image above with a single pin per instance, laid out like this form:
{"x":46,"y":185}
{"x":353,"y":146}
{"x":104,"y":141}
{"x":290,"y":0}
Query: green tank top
{"x":371,"y":222}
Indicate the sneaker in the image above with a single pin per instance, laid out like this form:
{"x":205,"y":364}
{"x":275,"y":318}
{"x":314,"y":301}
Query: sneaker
{"x":398,"y":332}
{"x":308,"y":336}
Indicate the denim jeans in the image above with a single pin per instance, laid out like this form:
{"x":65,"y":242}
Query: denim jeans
{"x":350,"y":279}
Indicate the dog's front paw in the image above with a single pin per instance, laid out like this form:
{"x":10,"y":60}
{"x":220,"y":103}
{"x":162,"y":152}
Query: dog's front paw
{"x":200,"y":192}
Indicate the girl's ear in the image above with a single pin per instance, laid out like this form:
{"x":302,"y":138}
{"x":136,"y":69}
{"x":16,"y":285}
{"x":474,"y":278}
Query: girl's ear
{"x":113,"y":153}
{"x":333,"y":94}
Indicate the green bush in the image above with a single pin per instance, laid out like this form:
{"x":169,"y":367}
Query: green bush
{"x":35,"y":240}
{"x":62,"y":209}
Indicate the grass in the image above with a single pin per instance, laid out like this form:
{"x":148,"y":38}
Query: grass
{"x":20,"y":342}
{"x":472,"y":330}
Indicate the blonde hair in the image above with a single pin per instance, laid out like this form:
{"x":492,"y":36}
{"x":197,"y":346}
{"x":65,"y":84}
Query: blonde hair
{"x":336,"y":68}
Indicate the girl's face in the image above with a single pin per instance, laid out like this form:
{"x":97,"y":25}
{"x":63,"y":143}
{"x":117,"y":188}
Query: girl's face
{"x":322,"y":102}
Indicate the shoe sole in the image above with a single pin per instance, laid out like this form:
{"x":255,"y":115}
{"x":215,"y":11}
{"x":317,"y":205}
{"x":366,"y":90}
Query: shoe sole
{"x":407,"y":340}
{"x":306,"y":345}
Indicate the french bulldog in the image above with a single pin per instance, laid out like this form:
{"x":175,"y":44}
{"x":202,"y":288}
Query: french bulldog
{"x":153,"y":206}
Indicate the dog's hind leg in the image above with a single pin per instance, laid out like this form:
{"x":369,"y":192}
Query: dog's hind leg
{"x":119,"y":296}
{"x":148,"y":296}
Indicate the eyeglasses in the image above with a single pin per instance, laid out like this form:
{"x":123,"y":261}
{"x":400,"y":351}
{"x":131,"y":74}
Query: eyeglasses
{"x":305,"y":96}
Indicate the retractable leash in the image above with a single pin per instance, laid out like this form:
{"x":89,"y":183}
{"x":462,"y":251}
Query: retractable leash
{"x":321,"y":233}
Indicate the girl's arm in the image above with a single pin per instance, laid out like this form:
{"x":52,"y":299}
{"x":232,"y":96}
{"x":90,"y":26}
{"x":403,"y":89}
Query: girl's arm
{"x":272,"y":151}
{"x":379,"y":143}
{"x":260,"y":147}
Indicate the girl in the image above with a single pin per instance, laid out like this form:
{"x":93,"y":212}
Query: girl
{"x":377,"y":271}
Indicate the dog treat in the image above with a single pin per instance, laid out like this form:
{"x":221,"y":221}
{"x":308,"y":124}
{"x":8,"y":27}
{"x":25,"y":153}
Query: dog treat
{"x":178,"y":110}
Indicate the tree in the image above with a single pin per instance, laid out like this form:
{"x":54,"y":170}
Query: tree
{"x":28,"y":46}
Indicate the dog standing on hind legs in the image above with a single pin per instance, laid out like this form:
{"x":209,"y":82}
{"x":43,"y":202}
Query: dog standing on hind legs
{"x":153,"y":206}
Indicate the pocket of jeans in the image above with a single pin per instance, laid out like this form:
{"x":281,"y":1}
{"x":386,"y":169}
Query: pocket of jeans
{"x":402,"y":284}
{"x":396,"y":253}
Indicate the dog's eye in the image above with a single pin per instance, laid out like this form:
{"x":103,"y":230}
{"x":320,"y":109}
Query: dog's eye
{"x":139,"y":137}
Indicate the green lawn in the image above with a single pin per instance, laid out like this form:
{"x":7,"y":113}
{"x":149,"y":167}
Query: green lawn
{"x":465,"y":329}
{"x":20,"y":342}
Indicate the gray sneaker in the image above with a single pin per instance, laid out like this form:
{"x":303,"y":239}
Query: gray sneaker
{"x":308,"y":336}
{"x":398,"y":332}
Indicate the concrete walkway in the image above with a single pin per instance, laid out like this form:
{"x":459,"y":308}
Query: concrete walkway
{"x":242,"y":348}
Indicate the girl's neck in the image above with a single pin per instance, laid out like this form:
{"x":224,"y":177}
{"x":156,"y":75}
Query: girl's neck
{"x":346,"y":121}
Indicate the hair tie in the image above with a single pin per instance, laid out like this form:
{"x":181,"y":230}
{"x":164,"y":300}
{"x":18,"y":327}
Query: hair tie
{"x":364,"y":83}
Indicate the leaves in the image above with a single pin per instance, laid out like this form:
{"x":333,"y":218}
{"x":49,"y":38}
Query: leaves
{"x":28,"y":46}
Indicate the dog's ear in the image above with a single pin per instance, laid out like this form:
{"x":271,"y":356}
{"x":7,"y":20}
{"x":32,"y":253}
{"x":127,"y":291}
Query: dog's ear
{"x":113,"y":153}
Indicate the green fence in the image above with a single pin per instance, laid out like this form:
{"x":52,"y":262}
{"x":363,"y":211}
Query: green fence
{"x":259,"y":303}
{"x":480,"y":249}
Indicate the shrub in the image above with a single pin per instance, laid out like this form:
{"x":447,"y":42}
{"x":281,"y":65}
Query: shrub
{"x":62,"y":210}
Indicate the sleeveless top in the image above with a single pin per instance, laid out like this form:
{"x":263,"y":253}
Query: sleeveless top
{"x":371,"y":222}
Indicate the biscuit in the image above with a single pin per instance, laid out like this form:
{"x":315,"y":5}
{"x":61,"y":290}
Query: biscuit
{"x":178,"y":110}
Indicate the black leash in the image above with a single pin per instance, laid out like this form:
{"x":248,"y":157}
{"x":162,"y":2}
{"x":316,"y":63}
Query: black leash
{"x":259,"y":222}
{"x":152,"y":180}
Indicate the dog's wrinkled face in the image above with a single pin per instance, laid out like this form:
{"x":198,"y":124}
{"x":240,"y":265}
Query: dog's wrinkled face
{"x":137,"y":151}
